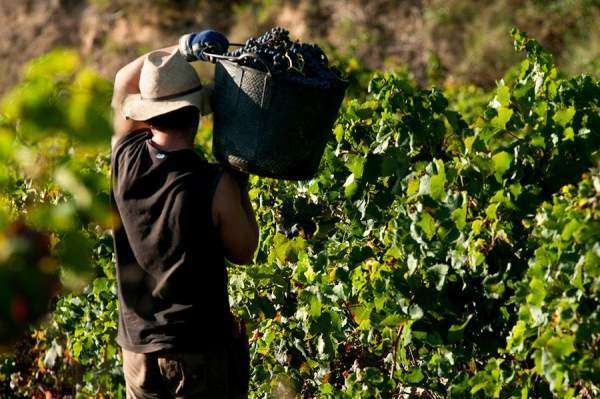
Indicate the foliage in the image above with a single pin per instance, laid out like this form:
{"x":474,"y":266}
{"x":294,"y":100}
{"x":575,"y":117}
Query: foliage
{"x":442,"y":251}
{"x":558,"y":326}
{"x":411,"y":240}
{"x":54,"y":227}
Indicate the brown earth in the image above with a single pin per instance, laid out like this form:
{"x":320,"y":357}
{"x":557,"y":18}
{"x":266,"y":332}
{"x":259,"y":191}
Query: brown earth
{"x":467,"y":40}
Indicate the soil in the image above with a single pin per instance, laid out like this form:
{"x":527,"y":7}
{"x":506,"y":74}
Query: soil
{"x":468,"y":42}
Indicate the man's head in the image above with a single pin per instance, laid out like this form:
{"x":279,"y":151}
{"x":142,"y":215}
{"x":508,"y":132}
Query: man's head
{"x":184,"y":120}
{"x":171,"y":95}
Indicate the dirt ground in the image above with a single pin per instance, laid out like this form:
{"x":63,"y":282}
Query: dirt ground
{"x":464,"y":40}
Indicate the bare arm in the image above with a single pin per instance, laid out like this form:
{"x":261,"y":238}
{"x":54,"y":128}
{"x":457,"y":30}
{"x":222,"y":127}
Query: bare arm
{"x":127,"y":82}
{"x":234,"y":217}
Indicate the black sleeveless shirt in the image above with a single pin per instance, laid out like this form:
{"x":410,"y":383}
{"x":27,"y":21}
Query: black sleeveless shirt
{"x":171,"y":277}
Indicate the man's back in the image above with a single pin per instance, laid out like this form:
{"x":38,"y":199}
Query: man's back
{"x":178,"y":217}
{"x":172,"y":282}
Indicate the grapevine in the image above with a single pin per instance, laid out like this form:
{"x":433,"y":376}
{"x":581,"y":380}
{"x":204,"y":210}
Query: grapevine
{"x":448,"y":247}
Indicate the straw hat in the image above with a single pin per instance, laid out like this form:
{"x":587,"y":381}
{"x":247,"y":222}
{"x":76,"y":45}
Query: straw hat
{"x":167,"y":83}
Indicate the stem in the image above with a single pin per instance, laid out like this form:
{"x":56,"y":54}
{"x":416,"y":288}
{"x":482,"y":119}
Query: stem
{"x":394,"y":350}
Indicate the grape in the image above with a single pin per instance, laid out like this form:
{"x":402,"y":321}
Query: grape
{"x":300,"y":63}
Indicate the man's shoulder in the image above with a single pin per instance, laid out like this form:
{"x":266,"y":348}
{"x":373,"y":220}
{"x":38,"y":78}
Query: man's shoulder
{"x":130,"y":139}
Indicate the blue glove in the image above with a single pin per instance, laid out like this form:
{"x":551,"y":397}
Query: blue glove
{"x":194,"y":45}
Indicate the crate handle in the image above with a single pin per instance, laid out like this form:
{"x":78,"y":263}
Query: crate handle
{"x":213,"y":57}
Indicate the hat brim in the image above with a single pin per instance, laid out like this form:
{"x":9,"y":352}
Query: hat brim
{"x":137,"y":108}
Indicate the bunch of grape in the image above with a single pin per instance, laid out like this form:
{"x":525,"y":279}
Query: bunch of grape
{"x":301,"y":63}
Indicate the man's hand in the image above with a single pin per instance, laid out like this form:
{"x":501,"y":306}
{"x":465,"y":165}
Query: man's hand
{"x":234,"y":217}
{"x":194,"y":45}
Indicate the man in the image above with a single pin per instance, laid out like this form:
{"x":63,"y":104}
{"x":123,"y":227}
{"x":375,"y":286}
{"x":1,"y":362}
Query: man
{"x":178,"y":217}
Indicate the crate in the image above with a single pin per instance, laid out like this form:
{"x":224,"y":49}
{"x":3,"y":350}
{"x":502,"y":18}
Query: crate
{"x":269,"y":126}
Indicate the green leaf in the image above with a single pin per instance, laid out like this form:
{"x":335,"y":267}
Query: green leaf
{"x":514,"y":343}
{"x":468,"y":143}
{"x":561,"y":346}
{"x":394,"y":320}
{"x":459,"y":215}
{"x":326,"y":389}
{"x":415,"y":312}
{"x":310,"y":274}
{"x":537,"y":140}
{"x":500,"y":120}
{"x":338,"y":133}
{"x":438,"y":181}
{"x":101,"y":285}
{"x":455,"y":332}
{"x":356,"y":165}
{"x":350,"y":186}
{"x":502,"y":98}
{"x":411,"y":263}
{"x":569,"y":134}
{"x":569,"y":229}
{"x":438,"y":274}
{"x":501,"y":163}
{"x":564,"y":116}
{"x":415,"y":376}
{"x":460,"y":218}
{"x":413,"y":187}
{"x":77,"y":347}
{"x":361,"y":313}
{"x":284,"y":249}
{"x":492,"y":211}
{"x":315,"y":306}
{"x":537,"y":292}
{"x":424,"y":185}
{"x":427,"y":224}
{"x":339,"y":291}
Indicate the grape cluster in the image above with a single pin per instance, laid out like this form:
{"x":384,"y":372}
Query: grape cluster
{"x":302,"y":63}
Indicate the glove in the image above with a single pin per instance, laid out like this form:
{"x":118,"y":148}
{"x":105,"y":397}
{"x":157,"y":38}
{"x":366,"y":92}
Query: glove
{"x":194,"y":45}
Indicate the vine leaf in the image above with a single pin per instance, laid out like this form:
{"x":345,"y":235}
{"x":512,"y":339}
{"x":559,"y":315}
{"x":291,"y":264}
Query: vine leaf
{"x":500,"y":120}
{"x":501,"y":163}
{"x":564,"y":116}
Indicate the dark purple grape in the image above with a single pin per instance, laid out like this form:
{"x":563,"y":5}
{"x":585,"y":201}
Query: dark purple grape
{"x":301,"y":63}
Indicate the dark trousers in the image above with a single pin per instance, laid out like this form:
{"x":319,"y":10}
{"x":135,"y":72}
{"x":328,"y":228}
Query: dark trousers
{"x":181,"y":376}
